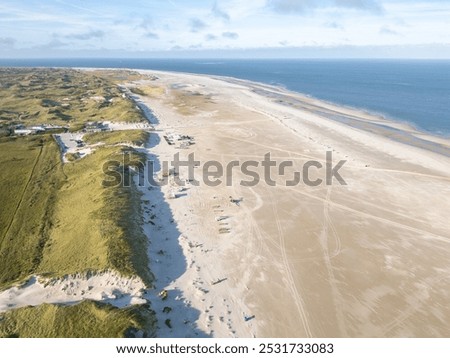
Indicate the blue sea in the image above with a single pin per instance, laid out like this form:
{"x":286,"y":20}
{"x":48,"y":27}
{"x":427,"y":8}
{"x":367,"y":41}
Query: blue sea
{"x":413,"y":91}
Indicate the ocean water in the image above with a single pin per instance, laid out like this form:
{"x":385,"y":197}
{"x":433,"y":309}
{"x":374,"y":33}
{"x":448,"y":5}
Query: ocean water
{"x":413,"y":91}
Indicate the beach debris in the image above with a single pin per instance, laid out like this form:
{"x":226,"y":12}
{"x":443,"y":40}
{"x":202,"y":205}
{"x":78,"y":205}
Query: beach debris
{"x":236,"y":201}
{"x":224,"y":231}
{"x":220,"y":280}
{"x":248,"y":318}
{"x":169,"y":140}
{"x":204,"y":290}
{"x":185,"y":140}
{"x":163,"y":295}
{"x":171,"y":195}
{"x":165,"y":173}
{"x":80,"y":143}
{"x":221,"y":218}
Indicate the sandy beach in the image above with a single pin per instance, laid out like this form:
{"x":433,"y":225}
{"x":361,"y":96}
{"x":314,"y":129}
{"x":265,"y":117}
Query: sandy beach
{"x":363,"y":253}
{"x":366,"y":259}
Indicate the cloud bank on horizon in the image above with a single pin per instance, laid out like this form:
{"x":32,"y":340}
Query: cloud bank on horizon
{"x":290,"y":28}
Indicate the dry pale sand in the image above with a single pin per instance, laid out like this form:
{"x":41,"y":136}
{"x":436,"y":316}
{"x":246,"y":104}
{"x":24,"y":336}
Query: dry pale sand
{"x":369,"y":259}
{"x":107,"y":286}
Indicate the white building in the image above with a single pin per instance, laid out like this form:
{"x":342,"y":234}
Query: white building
{"x":23,"y":131}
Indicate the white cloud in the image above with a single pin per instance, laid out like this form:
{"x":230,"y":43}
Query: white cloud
{"x":91,"y":34}
{"x":146,"y":23}
{"x":7,"y":42}
{"x":334,"y":25}
{"x":218,"y":12}
{"x":197,"y":25}
{"x":54,"y":44}
{"x":152,"y":35}
{"x":370,"y":5}
{"x":386,"y":30}
{"x":302,"y":6}
{"x":230,"y":35}
{"x":133,"y":26}
{"x":210,"y":37}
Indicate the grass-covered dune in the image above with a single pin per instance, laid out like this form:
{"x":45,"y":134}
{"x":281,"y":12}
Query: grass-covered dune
{"x":31,"y":176}
{"x":61,"y":97}
{"x":135,"y":137}
{"x":96,"y":227}
{"x":60,"y":219}
{"x":86,"y":319}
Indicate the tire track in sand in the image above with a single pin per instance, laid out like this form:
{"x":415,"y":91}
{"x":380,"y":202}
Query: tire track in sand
{"x":292,"y":286}
{"x":336,"y":296}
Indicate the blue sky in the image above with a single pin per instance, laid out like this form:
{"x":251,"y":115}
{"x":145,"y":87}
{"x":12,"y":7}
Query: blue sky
{"x":225,"y":28}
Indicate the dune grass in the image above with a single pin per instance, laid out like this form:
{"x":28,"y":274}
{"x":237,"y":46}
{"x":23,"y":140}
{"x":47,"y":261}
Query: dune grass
{"x":119,"y":75}
{"x":30,"y":176}
{"x":56,"y":219}
{"x":60,"y":219}
{"x":149,"y":91}
{"x":61,"y":96}
{"x":136,"y":137}
{"x":96,"y":227}
{"x":86,"y":319}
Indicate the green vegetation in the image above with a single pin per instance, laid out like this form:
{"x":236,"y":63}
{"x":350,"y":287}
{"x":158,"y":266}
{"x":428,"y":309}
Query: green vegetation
{"x":60,"y":219}
{"x":57,"y":220}
{"x":30,"y":175}
{"x":71,"y":157}
{"x":61,"y":97}
{"x":135,"y":137}
{"x":138,"y":90}
{"x":150,"y":91}
{"x":120,"y":76}
{"x":86,"y":319}
{"x":96,"y":228}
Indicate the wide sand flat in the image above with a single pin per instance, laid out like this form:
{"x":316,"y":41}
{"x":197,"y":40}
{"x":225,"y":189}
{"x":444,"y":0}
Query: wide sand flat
{"x":369,"y":259}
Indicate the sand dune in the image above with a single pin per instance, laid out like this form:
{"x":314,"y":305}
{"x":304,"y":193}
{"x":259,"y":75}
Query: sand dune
{"x":107,"y":287}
